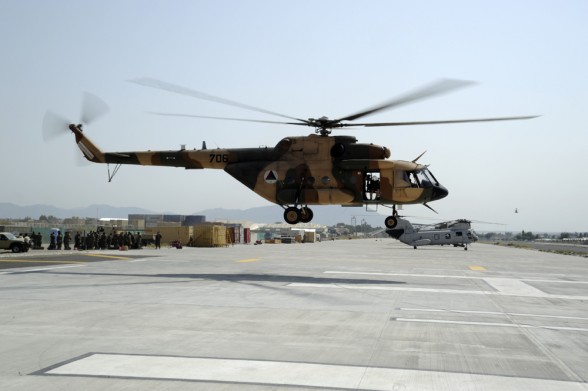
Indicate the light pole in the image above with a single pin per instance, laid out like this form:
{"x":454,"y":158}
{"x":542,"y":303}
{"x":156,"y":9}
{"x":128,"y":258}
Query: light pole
{"x":354,"y":223}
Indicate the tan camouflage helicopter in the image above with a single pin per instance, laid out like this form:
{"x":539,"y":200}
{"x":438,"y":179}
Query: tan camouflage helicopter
{"x":318,"y":169}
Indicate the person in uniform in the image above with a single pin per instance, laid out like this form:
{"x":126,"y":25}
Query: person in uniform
{"x":59,"y":240}
{"x":158,"y":240}
{"x":52,"y":241}
{"x":66,"y":240}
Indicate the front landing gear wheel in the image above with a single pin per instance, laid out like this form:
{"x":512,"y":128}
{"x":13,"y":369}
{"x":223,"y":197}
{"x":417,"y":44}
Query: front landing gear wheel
{"x":292,"y":215}
{"x":390,"y":222}
{"x":306,"y":215}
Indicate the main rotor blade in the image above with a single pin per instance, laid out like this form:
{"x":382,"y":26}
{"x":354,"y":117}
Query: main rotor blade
{"x":456,"y":121}
{"x":54,"y":125}
{"x":92,"y":108}
{"x":232,"y":119}
{"x":162,"y":85}
{"x":438,"y":88}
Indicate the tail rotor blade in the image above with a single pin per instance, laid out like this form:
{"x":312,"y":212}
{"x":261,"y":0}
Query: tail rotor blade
{"x":92,"y":108}
{"x":54,"y":125}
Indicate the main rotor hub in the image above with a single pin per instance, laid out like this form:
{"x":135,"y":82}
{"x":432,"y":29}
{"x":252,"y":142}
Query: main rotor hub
{"x":323,"y":125}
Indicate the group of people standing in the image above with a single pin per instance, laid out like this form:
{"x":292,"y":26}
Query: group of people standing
{"x":101,"y":241}
{"x":56,"y":240}
{"x":93,"y":240}
{"x":35,"y":240}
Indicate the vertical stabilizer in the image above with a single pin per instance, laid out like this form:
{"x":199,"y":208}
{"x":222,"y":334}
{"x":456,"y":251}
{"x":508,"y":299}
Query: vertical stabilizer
{"x":88,"y":148}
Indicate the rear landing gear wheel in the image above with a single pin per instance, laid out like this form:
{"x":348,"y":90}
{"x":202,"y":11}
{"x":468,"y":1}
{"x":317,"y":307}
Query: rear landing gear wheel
{"x":306,"y":214}
{"x":391,"y":222}
{"x":292,"y":215}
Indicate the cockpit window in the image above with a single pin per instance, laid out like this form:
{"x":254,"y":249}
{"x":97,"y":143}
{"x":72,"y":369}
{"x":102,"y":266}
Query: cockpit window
{"x":419,"y":179}
{"x":424,"y":179}
{"x":435,"y":181}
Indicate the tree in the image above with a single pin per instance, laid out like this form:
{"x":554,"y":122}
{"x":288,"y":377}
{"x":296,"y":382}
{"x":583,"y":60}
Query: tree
{"x":526,"y":236}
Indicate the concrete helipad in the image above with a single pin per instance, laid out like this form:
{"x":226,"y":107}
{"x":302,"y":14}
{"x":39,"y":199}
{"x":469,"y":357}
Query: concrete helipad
{"x":351,"y":315}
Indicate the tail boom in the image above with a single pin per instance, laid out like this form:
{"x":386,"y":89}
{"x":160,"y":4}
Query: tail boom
{"x":189,"y":159}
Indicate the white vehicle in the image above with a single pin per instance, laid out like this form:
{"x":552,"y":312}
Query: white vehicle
{"x":10,"y":242}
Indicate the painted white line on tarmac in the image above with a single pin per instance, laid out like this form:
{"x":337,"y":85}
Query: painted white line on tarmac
{"x":20,"y":271}
{"x":452,"y":276}
{"x":491,"y":313}
{"x":386,"y":288}
{"x":435,"y":290}
{"x":402,"y":274}
{"x":468,"y":323}
{"x":513,"y":287}
{"x":297,"y":374}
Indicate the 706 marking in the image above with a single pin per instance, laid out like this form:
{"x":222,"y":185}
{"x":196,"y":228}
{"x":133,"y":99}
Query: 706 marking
{"x":219,"y":158}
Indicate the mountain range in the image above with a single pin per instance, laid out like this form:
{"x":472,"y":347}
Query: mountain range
{"x":326,"y":215}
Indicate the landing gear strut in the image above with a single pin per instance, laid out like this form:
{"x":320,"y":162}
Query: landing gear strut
{"x":391,"y":221}
{"x":294,"y":215}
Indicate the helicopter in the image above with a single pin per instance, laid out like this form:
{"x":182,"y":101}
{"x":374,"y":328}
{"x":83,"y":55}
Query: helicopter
{"x":318,"y":169}
{"x":458,"y":233}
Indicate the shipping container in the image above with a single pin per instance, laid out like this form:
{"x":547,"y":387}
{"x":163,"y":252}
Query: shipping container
{"x":173,"y":218}
{"x":171,"y":234}
{"x":247,"y":235}
{"x":309,"y":237}
{"x":234,"y":234}
{"x":152,"y":221}
{"x":208,"y":235}
{"x":193,"y":220}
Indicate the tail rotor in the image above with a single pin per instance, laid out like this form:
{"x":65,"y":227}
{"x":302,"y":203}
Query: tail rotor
{"x":55,"y":125}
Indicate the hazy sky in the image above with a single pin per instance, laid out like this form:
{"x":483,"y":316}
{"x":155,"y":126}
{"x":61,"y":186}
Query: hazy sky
{"x":305,"y":59}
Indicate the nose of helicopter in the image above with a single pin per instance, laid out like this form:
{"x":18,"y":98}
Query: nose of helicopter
{"x":439,"y":191}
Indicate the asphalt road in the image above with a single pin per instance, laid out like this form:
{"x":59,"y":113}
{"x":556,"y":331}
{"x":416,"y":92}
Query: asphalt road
{"x":344,"y":315}
{"x":44,"y":258}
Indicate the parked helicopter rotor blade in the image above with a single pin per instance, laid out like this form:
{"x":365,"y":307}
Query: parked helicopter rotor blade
{"x":54,"y":125}
{"x":228,"y":118}
{"x":437,"y":88}
{"x":456,"y":121}
{"x":486,"y":222}
{"x":162,"y":85}
{"x":92,"y":108}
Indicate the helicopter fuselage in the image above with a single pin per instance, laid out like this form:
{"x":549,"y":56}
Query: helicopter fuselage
{"x":457,"y":233}
{"x":299,"y":171}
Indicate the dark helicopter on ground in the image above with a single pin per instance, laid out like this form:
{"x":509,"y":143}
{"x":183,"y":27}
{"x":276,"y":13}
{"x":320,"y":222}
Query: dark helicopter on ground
{"x":318,"y":169}
{"x":458,"y":233}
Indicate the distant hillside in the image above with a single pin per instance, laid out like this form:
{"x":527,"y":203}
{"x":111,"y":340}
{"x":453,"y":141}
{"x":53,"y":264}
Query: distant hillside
{"x":13,"y":211}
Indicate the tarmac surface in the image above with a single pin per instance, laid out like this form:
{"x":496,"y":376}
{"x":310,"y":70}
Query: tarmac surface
{"x":350,"y":315}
